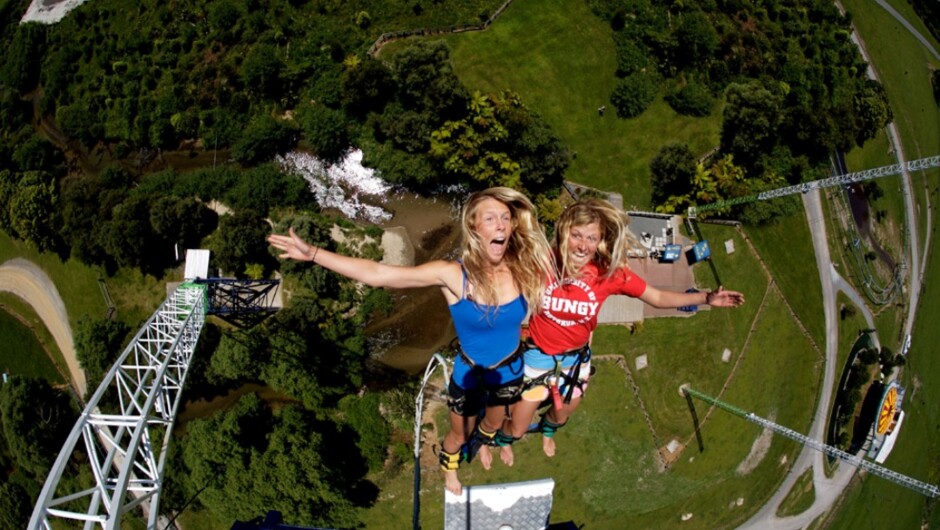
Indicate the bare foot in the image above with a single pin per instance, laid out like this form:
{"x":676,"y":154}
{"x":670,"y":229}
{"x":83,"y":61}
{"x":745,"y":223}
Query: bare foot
{"x":548,"y":445}
{"x":505,"y":454}
{"x":452,"y":483}
{"x":485,"y":457}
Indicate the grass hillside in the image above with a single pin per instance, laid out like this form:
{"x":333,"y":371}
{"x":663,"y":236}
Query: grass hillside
{"x":560,"y":58}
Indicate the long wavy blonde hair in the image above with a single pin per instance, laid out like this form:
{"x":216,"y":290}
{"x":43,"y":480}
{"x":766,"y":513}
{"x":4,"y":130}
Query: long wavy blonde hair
{"x":616,"y":239}
{"x":528,"y":254}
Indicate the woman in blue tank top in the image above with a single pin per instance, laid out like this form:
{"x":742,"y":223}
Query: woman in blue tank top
{"x":490,"y":291}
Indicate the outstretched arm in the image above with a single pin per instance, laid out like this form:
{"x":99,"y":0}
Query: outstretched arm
{"x":366,"y":271}
{"x":664,"y":299}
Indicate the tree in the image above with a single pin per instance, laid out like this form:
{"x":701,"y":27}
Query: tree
{"x":129,"y":238}
{"x":631,"y":56}
{"x":36,"y":420}
{"x":426,"y":80}
{"x":20,"y":67}
{"x":872,"y":111}
{"x":236,"y":358}
{"x":697,"y":39}
{"x":671,"y":172}
{"x":750,"y":121}
{"x":374,"y":433}
{"x":693,"y":99}
{"x":263,"y":138}
{"x":634,"y":94}
{"x":34,"y":211}
{"x":327,"y":132}
{"x":183,"y":221}
{"x":249,"y":461}
{"x":260,"y":72}
{"x":368,"y":87}
{"x":36,"y":154}
{"x":15,"y":507}
{"x":475,"y":148}
{"x":87,"y":206}
{"x":240,"y":241}
{"x":98,"y":344}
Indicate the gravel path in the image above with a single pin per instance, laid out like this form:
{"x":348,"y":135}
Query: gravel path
{"x":27,"y":281}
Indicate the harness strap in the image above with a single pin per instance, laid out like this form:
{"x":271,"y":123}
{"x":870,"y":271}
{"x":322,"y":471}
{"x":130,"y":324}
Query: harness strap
{"x":509,"y":359}
{"x":449,"y":461}
{"x":502,"y":439}
{"x":570,"y":379}
{"x":478,"y":438}
{"x":548,"y":428}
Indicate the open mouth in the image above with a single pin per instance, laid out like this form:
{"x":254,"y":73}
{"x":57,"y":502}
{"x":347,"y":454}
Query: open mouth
{"x":498,"y":244}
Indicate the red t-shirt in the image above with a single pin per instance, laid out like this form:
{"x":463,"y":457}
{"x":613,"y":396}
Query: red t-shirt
{"x":569,"y":308}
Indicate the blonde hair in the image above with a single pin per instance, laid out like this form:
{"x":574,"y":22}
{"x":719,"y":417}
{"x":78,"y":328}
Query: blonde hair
{"x":528,"y":254}
{"x":616,"y":240}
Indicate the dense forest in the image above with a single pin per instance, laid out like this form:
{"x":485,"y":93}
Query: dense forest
{"x":91,"y":107}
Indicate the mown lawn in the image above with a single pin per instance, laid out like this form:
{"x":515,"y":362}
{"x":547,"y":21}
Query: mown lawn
{"x":786,"y":247}
{"x":23,"y":353}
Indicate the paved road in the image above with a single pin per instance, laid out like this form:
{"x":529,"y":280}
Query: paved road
{"x":27,"y":281}
{"x":887,"y":7}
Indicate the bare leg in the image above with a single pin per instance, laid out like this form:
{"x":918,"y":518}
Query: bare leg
{"x":548,"y":446}
{"x":453,"y":440}
{"x":493,"y":419}
{"x":558,"y":417}
{"x":486,"y":459}
{"x":506,"y":455}
{"x":452,"y":483}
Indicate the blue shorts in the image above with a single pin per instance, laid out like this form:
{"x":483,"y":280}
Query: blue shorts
{"x":538,"y":364}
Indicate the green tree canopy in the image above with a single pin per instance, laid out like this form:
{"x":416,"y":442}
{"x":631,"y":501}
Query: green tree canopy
{"x":98,"y":344}
{"x":263,"y":138}
{"x":750,"y":121}
{"x":672,"y":170}
{"x":634,"y":94}
{"x":36,"y":420}
{"x":250,"y":461}
{"x":15,"y":507}
{"x":240,"y":241}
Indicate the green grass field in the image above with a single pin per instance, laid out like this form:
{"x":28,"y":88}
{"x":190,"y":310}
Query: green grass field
{"x":559,"y":57}
{"x":23,"y":353}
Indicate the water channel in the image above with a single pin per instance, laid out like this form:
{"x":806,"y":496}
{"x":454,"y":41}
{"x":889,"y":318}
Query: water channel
{"x":861,"y":214}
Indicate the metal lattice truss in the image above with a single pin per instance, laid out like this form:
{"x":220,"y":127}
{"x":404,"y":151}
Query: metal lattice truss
{"x":848,"y":178}
{"x":137,"y":400}
{"x":923,"y":488}
{"x":240,"y":302}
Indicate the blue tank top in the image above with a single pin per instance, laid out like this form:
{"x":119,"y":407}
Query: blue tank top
{"x":487,"y":336}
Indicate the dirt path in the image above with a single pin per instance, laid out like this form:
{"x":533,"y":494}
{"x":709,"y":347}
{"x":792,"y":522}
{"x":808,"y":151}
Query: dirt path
{"x":27,"y":281}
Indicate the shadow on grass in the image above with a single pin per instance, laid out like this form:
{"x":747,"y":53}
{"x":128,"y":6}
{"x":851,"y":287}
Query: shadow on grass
{"x":695,"y":423}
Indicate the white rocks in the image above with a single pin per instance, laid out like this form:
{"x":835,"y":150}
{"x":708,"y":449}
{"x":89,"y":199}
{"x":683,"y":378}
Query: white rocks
{"x":341,"y":185}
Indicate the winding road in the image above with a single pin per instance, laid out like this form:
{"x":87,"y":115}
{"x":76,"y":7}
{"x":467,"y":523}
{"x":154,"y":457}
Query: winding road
{"x":24,"y":279}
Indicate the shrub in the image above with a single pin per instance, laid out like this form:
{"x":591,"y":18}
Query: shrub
{"x":633,"y":95}
{"x":693,"y":99}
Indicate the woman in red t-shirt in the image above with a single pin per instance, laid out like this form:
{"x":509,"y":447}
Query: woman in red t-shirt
{"x":591,"y":246}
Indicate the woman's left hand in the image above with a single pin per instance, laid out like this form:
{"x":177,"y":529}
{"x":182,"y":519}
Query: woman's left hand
{"x":722,"y":298}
